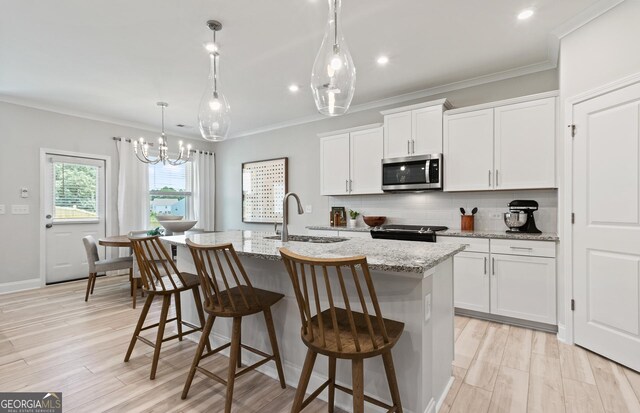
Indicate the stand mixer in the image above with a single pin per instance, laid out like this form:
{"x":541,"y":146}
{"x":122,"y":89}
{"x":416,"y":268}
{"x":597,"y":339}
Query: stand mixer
{"x":520,"y":218}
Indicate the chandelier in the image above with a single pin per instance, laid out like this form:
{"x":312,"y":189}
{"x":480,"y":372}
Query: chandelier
{"x":141,"y":148}
{"x":333,"y":78}
{"x":214,"y":112}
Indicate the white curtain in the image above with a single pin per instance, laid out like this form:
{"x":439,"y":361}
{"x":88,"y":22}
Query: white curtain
{"x":204,"y":190}
{"x":133,"y":190}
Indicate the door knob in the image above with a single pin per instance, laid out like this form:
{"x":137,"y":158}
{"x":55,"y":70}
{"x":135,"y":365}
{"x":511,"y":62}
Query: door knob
{"x":48,"y":216}
{"x":48,"y":226}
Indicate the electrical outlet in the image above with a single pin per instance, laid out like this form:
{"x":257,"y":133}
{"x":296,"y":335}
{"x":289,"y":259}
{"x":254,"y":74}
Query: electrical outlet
{"x":20,"y":209}
{"x":308,"y":209}
{"x":496,"y":215}
{"x":2,"y":209}
{"x":24,"y":192}
{"x":427,"y":307}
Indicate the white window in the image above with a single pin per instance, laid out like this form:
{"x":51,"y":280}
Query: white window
{"x":169,"y":191}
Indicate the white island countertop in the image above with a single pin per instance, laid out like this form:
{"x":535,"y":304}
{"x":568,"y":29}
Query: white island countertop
{"x":382,"y":255}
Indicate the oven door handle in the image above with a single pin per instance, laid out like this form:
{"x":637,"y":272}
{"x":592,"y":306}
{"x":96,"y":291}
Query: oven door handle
{"x":427,"y":171}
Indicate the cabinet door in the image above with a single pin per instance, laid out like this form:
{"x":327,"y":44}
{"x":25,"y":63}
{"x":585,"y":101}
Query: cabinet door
{"x":524,"y":287}
{"x":525,"y":145}
{"x":334,"y":165}
{"x":471,"y":281}
{"x":468,"y":151}
{"x":366,"y":161}
{"x":427,"y":130}
{"x":397,"y":135}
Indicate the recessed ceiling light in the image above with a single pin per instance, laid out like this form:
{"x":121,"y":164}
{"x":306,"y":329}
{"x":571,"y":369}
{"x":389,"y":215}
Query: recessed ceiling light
{"x":382,"y":60}
{"x":294,"y":88}
{"x":210,"y":46}
{"x":525,"y":14}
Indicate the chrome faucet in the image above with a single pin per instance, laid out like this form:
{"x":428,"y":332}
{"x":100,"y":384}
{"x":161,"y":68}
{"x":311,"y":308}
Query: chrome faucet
{"x":285,"y":210}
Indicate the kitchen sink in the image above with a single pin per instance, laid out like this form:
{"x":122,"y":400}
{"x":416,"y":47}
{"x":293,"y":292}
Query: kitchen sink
{"x":308,"y":238}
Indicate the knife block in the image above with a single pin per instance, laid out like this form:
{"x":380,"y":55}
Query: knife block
{"x":466,"y":222}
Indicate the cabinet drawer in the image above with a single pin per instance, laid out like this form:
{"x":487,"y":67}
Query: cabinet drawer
{"x":526,"y":248}
{"x":471,"y":244}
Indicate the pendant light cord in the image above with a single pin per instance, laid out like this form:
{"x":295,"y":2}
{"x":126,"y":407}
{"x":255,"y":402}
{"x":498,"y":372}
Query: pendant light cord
{"x":215,"y":65}
{"x":335,"y":20}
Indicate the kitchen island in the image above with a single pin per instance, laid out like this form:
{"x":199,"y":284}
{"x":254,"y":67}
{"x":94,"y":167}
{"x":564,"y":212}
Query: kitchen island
{"x":414,"y":284}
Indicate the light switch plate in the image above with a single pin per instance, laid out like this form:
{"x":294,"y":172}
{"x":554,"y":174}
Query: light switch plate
{"x":20,"y":209}
{"x":308,"y":209}
{"x":2,"y":209}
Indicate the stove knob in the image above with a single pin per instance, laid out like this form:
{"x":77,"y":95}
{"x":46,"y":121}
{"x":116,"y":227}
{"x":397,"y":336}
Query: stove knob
{"x":429,"y":231}
{"x":422,"y":231}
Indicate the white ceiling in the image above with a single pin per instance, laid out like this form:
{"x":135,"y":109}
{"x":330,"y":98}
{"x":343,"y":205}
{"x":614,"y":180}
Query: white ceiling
{"x":114,"y":59}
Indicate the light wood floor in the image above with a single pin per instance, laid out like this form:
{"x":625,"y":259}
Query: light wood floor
{"x":51,"y":340}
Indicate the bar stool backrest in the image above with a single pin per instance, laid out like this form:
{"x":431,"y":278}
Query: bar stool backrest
{"x":311,"y":278}
{"x":220,"y":272}
{"x":156,"y":265}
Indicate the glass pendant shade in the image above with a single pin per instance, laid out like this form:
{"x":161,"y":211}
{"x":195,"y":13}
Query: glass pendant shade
{"x":214,"y":113}
{"x":333,"y":79}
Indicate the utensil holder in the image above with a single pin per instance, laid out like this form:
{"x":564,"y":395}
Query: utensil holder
{"x":466,"y":222}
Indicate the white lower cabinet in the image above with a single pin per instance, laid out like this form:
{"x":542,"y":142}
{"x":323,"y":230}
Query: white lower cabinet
{"x":471,"y":281}
{"x":524,"y":287}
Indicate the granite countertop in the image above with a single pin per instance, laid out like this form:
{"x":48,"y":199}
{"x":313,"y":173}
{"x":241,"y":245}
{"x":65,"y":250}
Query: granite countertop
{"x":382,"y":255}
{"x":545,"y":236}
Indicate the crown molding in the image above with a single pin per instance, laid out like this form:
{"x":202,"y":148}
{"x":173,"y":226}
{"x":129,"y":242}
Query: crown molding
{"x":88,"y":116}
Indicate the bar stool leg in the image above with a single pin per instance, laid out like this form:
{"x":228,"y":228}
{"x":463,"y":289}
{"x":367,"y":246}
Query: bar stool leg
{"x":268,"y":318}
{"x":196,"y":359}
{"x":233,"y":359}
{"x":332,"y":384}
{"x":134,"y":291}
{"x":357,"y":374}
{"x":198,"y":301}
{"x":392,"y":380}
{"x":179,"y":315}
{"x":136,"y":332}
{"x":307,"y":369}
{"x":166,"y":303}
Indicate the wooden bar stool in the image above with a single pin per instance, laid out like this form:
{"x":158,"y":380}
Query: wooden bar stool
{"x":160,"y":277}
{"x":233,"y":297}
{"x":341,"y":333}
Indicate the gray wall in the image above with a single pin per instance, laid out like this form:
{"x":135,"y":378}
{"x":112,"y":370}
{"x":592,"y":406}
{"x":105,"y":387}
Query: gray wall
{"x":301,"y":144}
{"x":23,"y":131}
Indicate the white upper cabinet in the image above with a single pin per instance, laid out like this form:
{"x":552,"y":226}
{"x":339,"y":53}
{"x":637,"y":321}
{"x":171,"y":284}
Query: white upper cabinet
{"x":502,"y":145}
{"x":366,"y":161}
{"x":414,"y":130}
{"x":334,"y":165}
{"x":351,"y":161}
{"x":525,"y":145}
{"x":468,"y":151}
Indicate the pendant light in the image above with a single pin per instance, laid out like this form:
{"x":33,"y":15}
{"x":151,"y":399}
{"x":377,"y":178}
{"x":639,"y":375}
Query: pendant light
{"x":141,"y":148}
{"x":214,"y":112}
{"x":333,"y":79}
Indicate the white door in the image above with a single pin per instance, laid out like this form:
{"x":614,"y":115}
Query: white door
{"x":606,"y":233}
{"x":74,"y":191}
{"x":525,"y":145}
{"x":524,"y":287}
{"x":471,"y":281}
{"x":397,"y":135}
{"x":468,"y":151}
{"x":334,"y":165}
{"x":366,"y":161}
{"x":427,"y":130}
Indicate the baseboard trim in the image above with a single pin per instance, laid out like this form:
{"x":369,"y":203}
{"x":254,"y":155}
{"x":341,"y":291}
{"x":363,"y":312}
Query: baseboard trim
{"x":562,"y":333}
{"x":12,"y":287}
{"x":443,"y":396}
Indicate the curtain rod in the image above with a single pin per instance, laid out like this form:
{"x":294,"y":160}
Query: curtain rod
{"x":117,"y":138}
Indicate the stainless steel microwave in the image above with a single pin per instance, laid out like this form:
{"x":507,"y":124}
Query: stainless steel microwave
{"x":412,"y":173}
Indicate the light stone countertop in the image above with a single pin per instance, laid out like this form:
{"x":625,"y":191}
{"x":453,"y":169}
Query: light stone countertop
{"x":545,"y":236}
{"x":382,"y":255}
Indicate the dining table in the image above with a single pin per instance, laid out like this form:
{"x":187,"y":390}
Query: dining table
{"x":115,"y":241}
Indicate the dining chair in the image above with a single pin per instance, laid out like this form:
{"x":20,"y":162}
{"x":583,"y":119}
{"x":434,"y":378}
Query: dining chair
{"x":98,"y":266}
{"x":341,"y":332}
{"x":161,"y":278}
{"x":229,"y":293}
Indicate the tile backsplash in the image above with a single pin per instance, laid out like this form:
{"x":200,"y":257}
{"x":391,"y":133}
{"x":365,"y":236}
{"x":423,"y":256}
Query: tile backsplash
{"x":443,"y":208}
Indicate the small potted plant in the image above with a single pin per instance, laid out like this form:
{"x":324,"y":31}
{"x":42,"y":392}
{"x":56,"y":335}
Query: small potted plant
{"x":353,"y":216}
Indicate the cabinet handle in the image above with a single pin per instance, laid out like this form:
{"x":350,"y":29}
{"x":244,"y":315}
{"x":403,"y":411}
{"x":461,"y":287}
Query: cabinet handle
{"x":522,"y":248}
{"x":350,"y":186}
{"x":493,"y":266}
{"x":489,"y":178}
{"x":497,"y":184}
{"x":413,"y":146}
{"x":346,"y":185}
{"x":485,"y":265}
{"x":409,"y":147}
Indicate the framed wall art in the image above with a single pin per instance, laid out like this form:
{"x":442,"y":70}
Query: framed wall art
{"x":264,"y":184}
